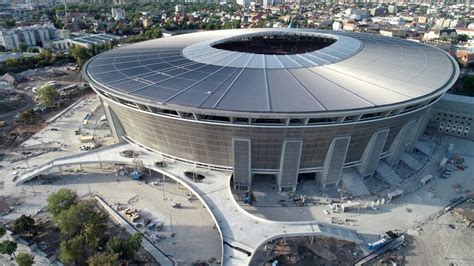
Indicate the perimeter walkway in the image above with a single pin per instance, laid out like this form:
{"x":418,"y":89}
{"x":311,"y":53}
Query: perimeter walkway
{"x":241,"y":232}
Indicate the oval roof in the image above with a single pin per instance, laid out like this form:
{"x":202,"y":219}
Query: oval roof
{"x":357,"y":71}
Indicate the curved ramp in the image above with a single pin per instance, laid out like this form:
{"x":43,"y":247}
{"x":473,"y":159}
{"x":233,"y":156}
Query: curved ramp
{"x":241,"y":232}
{"x":97,"y":156}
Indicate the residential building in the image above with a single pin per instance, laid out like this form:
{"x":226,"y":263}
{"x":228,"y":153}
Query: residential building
{"x":35,"y":35}
{"x":118,"y":13}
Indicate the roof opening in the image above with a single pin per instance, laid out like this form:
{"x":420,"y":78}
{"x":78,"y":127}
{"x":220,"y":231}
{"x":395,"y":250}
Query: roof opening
{"x":277,"y":44}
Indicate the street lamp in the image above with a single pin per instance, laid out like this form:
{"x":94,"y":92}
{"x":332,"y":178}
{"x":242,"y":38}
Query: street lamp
{"x":171,"y":225}
{"x":420,"y":199}
{"x":26,"y":161}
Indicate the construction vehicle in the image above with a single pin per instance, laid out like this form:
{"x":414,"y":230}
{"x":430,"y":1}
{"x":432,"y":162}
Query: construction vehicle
{"x":443,"y":163}
{"x":137,"y":175}
{"x":132,"y":215}
{"x":426,"y":179}
{"x":86,"y":139}
{"x":249,"y":197}
{"x":129,"y":212}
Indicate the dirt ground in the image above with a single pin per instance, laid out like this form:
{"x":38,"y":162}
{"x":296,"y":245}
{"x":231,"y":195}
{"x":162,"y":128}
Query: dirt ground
{"x":446,"y":240}
{"x":307,"y":251}
{"x":15,"y":133}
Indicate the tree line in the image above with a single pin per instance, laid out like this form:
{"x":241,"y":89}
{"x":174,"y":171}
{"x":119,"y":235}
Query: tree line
{"x":83,"y":230}
{"x":43,"y":59}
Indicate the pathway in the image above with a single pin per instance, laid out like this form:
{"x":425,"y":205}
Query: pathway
{"x":242,"y":233}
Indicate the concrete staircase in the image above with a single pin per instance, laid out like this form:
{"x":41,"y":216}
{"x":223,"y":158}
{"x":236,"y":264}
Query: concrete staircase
{"x":386,"y":173}
{"x":354,"y":184}
{"x":410,"y":161}
{"x":424,"y":147}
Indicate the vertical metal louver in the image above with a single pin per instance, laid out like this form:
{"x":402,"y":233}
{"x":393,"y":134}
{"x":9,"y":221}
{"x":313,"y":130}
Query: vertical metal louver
{"x":289,"y":164}
{"x":241,"y":163}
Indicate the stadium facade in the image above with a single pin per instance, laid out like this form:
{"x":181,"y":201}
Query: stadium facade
{"x":279,"y":102}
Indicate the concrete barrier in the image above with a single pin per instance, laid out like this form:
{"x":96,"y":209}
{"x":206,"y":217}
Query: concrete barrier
{"x":52,"y":119}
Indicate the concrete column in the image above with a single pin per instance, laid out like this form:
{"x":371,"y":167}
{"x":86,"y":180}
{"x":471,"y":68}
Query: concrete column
{"x":399,"y":143}
{"x":334,"y":162}
{"x":110,"y":120}
{"x":418,"y":130}
{"x":115,"y":126}
{"x":289,"y":164}
{"x":340,"y":119}
{"x":371,"y":156}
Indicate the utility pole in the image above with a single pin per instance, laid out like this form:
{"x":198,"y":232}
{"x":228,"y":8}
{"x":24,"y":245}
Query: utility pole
{"x":26,"y":161}
{"x":420,"y":199}
{"x":171,"y":225}
{"x":163,"y":189}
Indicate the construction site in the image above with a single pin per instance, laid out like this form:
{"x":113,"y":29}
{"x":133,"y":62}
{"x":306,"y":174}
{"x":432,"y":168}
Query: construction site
{"x":190,"y":214}
{"x":307,"y":251}
{"x":428,"y":208}
{"x":159,"y":207}
{"x":18,"y":94}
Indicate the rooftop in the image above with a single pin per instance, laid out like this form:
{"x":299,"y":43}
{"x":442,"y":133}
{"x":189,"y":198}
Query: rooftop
{"x":96,"y":38}
{"x":274,"y":71}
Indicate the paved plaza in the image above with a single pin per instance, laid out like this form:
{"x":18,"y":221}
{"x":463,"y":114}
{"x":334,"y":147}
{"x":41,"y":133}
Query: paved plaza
{"x":230,"y":230}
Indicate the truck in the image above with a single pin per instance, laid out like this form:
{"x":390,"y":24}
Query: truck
{"x":86,"y":119}
{"x":377,"y":244}
{"x":350,"y":205}
{"x":426,"y":179}
{"x":136,"y":175}
{"x":86,"y":139}
{"x":442,"y":164}
{"x":3,"y":123}
{"x":450,"y":149}
{"x":394,"y":194}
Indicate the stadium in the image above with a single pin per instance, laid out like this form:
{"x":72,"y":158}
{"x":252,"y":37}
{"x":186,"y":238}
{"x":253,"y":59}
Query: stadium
{"x":277,"y":102}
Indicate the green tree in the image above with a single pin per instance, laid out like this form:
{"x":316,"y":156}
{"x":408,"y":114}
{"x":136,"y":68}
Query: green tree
{"x":61,"y":200}
{"x":80,"y":54}
{"x":73,"y":251}
{"x":134,"y":242}
{"x":27,"y":116}
{"x":25,"y":259}
{"x":32,"y":50}
{"x":95,"y":49}
{"x":23,"y":47}
{"x":125,"y":248}
{"x":8,"y":247}
{"x":83,"y":219}
{"x":152,"y":33}
{"x":462,"y":38}
{"x":114,"y":245}
{"x":47,"y":96}
{"x":24,"y":224}
{"x":103,"y":259}
{"x":46,"y":55}
{"x":3,"y":231}
{"x":468,"y":85}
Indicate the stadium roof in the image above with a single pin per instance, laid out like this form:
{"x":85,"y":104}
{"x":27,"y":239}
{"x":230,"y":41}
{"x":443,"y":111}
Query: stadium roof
{"x":355,"y":71}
